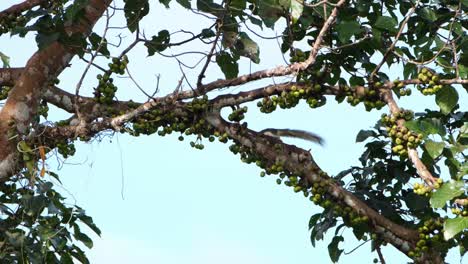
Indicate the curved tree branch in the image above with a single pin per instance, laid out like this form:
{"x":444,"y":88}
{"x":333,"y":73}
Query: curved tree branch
{"x":44,"y":66}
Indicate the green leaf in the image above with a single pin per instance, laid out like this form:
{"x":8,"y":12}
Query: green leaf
{"x":416,"y":202}
{"x":247,"y":47}
{"x":409,"y":70}
{"x":313,"y":220}
{"x":65,"y":258}
{"x":82,"y":237}
{"x":271,"y":10}
{"x":346,"y":29}
{"x":97,"y":42}
{"x":237,"y":5}
{"x":428,"y":14}
{"x":463,"y":170}
{"x":434,"y":149}
{"x":364,"y":134}
{"x":447,"y":192}
{"x":227,"y":64}
{"x":327,"y":221}
{"x":5,"y":60}
{"x":208,"y":6}
{"x":165,"y":2}
{"x":426,"y":126}
{"x":134,"y":11}
{"x":158,"y":43}
{"x":386,"y":23}
{"x":297,"y":7}
{"x":185,"y":3}
{"x":256,"y":21}
{"x":207,"y":33}
{"x":87,"y":220}
{"x":454,"y":226}
{"x":355,"y":80}
{"x":447,"y":99}
{"x":463,"y":70}
{"x":333,"y":249}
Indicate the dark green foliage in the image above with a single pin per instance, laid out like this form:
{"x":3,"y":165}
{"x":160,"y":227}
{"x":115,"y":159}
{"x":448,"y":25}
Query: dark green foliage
{"x":37,"y":224}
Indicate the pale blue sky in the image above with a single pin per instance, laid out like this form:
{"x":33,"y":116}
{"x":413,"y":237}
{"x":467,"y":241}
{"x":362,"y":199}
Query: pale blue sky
{"x":183,"y":205}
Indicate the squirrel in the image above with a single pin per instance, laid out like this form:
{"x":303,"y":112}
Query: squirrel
{"x":294,"y":133}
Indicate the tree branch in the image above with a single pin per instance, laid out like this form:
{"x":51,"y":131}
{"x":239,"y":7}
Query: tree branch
{"x":44,"y":66}
{"x":300,"y":162}
{"x":21,"y":7}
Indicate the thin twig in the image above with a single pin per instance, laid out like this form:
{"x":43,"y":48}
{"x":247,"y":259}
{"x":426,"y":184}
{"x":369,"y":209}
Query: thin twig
{"x":379,"y":252}
{"x":392,"y":46}
{"x":208,"y":57}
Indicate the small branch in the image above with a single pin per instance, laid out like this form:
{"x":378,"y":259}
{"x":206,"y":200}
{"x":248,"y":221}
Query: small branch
{"x":392,"y":46}
{"x":379,"y":252}
{"x":319,"y":40}
{"x":455,"y":60}
{"x":301,"y":162}
{"x":462,"y":202}
{"x":208,"y":57}
{"x":424,"y":173}
{"x":88,"y":66}
{"x":21,"y":7}
{"x":356,"y":248}
{"x":8,"y":76}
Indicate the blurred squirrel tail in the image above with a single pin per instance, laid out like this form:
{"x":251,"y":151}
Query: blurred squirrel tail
{"x":294,"y":134}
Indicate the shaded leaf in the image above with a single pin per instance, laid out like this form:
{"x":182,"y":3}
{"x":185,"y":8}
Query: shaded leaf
{"x":98,"y":42}
{"x":447,"y":99}
{"x":185,"y":3}
{"x":158,"y":43}
{"x":364,"y":134}
{"x":271,"y":10}
{"x":134,"y":11}
{"x":87,"y":220}
{"x":165,"y":2}
{"x":428,"y":14}
{"x":208,"y":6}
{"x":207,"y":33}
{"x":82,"y":237}
{"x":227,"y":64}
{"x":387,"y":23}
{"x":320,"y":228}
{"x":333,"y":249}
{"x":463,"y":71}
{"x":416,"y":202}
{"x":346,"y":29}
{"x":313,"y":220}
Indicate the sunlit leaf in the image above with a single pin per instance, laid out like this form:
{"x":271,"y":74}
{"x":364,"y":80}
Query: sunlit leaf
{"x":454,"y":226}
{"x":447,"y":192}
{"x":434,"y":148}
